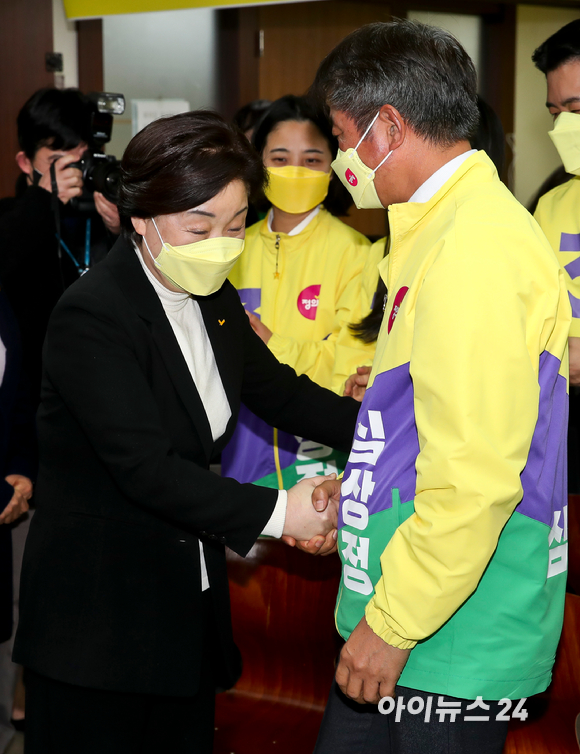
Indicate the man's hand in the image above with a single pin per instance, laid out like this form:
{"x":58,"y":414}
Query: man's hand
{"x":356,"y":384}
{"x":369,"y":668}
{"x":18,"y":504}
{"x":303,"y":522}
{"x":69,"y":180}
{"x":574,"y":347}
{"x":109,"y":212}
{"x":328,"y":490}
{"x":259,"y":327}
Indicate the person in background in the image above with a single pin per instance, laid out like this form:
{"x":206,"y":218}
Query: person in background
{"x":53,"y":127}
{"x":558,"y":211}
{"x":490,"y":138}
{"x":125,"y":629}
{"x":452,"y":524}
{"x":18,"y":469}
{"x":250,"y":115}
{"x":246,"y":120}
{"x":298,"y":280}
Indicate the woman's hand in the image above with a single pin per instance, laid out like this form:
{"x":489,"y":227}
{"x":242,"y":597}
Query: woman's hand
{"x":259,"y":327}
{"x":303,"y":521}
{"x":319,"y":545}
{"x":18,"y":504}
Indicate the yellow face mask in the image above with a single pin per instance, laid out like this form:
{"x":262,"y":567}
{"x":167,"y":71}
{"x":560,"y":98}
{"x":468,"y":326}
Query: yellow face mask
{"x":566,"y":138}
{"x":296,"y":189}
{"x":200,"y":268}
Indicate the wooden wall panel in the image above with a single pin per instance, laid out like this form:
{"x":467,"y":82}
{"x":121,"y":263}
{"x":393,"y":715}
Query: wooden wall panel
{"x":90,"y":55}
{"x":25,"y":37}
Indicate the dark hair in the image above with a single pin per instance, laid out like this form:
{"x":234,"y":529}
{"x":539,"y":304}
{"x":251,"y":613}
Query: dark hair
{"x":55,"y":118}
{"x":561,"y":47}
{"x":490,"y":134}
{"x":182,"y":161}
{"x":288,"y":108}
{"x":249,"y":115}
{"x":420,"y":70}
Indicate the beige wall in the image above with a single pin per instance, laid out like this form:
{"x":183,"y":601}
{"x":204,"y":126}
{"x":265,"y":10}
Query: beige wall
{"x":65,"y":41}
{"x":535,"y":155}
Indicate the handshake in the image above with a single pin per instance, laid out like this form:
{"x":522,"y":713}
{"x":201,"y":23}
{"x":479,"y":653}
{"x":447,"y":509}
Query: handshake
{"x":312,"y":515}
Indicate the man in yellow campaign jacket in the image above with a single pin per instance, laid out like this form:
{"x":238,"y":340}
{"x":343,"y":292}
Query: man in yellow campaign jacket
{"x":453,"y":515}
{"x":558,"y":211}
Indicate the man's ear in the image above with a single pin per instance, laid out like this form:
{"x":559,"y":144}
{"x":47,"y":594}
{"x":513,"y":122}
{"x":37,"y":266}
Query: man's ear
{"x":393,"y":126}
{"x":24,"y":163}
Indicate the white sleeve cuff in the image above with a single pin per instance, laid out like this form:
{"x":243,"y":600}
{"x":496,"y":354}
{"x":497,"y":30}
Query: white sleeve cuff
{"x":275,"y":526}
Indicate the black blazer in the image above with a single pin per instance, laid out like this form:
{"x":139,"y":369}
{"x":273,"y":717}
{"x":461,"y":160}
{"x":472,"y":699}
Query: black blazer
{"x":111,"y":585}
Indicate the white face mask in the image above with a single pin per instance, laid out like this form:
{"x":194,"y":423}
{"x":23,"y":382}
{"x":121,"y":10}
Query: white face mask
{"x":200,"y":268}
{"x":357,"y":177}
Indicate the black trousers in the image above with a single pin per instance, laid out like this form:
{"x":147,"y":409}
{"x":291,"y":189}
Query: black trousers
{"x":66,"y":719}
{"x":351,"y":728}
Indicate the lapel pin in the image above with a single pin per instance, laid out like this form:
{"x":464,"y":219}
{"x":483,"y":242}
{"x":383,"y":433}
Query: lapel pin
{"x":221,"y":321}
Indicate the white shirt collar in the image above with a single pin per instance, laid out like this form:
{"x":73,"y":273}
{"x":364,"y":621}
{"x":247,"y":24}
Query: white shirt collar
{"x":440,"y":177}
{"x":300,"y":227}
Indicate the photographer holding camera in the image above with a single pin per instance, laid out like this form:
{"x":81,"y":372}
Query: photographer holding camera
{"x":58,"y":224}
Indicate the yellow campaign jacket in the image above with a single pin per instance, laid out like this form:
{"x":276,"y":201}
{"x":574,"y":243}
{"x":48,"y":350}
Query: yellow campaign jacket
{"x":305,"y":288}
{"x":463,"y":423}
{"x":558,"y":214}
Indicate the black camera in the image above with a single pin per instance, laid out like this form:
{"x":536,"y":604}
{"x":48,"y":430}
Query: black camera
{"x":100,"y":172}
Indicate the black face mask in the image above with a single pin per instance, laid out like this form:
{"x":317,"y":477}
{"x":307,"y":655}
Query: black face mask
{"x":36,"y":176}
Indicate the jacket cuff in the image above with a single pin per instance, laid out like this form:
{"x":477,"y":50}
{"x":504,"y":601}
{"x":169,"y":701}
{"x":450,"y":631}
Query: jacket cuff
{"x":376,"y":620}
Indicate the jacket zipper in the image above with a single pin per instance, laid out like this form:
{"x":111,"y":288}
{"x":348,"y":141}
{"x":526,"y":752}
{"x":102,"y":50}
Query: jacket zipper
{"x":277,"y":247}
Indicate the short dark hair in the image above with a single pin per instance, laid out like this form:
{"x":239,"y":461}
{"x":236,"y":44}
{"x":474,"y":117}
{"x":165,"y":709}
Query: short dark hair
{"x":420,"y":70}
{"x":249,"y":115}
{"x":558,"y":49}
{"x":490,"y":135}
{"x":182,"y":161}
{"x":288,"y":108}
{"x":55,"y":118}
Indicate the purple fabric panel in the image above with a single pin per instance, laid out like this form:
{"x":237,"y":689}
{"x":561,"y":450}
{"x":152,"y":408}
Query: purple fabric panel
{"x":249,"y":455}
{"x":575,"y":304}
{"x":251,"y":299}
{"x":570,"y":242}
{"x":573,"y":269}
{"x":392,"y":395}
{"x":544,"y":477}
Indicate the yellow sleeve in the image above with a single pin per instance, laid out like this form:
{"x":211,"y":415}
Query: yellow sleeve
{"x":315,"y":358}
{"x":476,"y":405}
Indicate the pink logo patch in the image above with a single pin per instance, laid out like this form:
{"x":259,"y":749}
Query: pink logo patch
{"x":351,"y":177}
{"x":308,"y":301}
{"x":401,"y":293}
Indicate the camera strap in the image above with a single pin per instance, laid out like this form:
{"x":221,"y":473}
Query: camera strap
{"x":56,"y":211}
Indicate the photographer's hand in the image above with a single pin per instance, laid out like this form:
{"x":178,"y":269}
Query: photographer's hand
{"x":109,"y":212}
{"x":69,"y":180}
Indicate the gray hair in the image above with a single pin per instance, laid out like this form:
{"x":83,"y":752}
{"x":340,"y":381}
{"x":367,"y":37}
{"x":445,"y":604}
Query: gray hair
{"x":420,"y":70}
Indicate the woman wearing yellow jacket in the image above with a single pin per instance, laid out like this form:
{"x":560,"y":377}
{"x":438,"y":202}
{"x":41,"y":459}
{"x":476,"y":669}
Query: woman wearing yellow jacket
{"x":299,"y":279}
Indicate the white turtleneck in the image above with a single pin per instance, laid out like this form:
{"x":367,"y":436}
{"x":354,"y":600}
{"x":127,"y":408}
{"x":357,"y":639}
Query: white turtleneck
{"x":187,"y":323}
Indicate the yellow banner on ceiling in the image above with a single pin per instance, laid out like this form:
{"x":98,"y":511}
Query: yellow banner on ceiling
{"x":79,"y":9}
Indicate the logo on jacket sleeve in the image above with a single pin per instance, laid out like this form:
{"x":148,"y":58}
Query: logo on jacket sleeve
{"x":308,"y":301}
{"x":401,"y":293}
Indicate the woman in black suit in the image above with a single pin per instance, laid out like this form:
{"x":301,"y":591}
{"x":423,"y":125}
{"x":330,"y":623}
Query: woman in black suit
{"x":125,"y":626}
